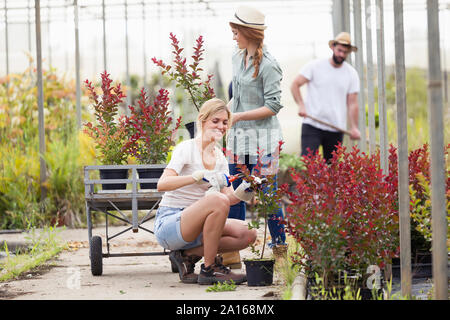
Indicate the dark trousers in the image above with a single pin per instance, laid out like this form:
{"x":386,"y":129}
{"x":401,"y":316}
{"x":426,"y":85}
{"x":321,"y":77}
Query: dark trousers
{"x":238,"y":210}
{"x":313,"y":137}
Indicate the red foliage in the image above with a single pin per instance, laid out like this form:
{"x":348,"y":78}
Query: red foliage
{"x":344,"y":215}
{"x":150,"y":129}
{"x":110,"y":136}
{"x":198,"y":91}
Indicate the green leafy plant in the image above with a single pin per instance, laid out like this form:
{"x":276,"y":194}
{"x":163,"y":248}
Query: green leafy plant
{"x":43,"y":246}
{"x":421,"y":208}
{"x":288,"y":163}
{"x":222,"y":287}
{"x":420,"y":193}
{"x":21,"y":203}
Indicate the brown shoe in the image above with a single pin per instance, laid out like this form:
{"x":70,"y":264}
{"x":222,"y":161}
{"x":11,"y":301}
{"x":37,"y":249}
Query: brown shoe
{"x":218,"y":273}
{"x":280,"y":254}
{"x":232,"y":260}
{"x":185,"y":265}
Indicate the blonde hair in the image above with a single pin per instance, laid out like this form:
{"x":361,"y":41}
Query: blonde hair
{"x":209,"y":108}
{"x":255,"y":36}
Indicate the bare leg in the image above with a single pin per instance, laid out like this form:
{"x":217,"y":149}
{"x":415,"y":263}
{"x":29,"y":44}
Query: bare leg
{"x":235,"y":236}
{"x":209,"y":215}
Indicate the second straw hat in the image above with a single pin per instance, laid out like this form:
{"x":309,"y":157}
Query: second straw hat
{"x":344,"y":39}
{"x":249,"y":17}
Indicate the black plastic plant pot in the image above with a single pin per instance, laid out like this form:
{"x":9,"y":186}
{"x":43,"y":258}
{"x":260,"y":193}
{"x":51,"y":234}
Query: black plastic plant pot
{"x":191,"y":127}
{"x":259,"y":272}
{"x":149,"y":173}
{"x":114,"y":174}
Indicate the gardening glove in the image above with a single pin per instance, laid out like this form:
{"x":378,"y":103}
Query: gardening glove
{"x":217,"y":180}
{"x":243,"y":192}
{"x":199,"y":175}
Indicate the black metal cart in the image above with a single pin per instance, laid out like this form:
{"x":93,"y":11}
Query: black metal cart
{"x":108,"y":201}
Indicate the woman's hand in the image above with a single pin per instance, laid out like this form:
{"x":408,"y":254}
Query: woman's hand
{"x":244,"y":192}
{"x":198,"y":176}
{"x":217,"y":180}
{"x":235,"y":117}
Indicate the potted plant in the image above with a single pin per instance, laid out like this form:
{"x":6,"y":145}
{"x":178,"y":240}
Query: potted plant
{"x":152,"y":134}
{"x":259,"y":270}
{"x":110,"y":134}
{"x":420,"y":199}
{"x":344,"y":216}
{"x":188,"y":77}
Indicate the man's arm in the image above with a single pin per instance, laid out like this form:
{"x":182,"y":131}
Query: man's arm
{"x":295,"y":90}
{"x":352,"y":109}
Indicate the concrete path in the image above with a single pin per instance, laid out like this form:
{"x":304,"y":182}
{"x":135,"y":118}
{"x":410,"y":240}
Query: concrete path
{"x":148,"y":277}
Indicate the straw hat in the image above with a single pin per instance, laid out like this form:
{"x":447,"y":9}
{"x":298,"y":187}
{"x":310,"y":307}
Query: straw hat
{"x":249,"y":17}
{"x":343,"y":38}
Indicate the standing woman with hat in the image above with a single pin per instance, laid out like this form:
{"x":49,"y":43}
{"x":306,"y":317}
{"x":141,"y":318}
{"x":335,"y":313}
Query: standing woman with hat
{"x":256,"y":101}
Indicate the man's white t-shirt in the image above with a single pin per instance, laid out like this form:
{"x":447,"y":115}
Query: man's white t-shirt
{"x":328,"y":87}
{"x":186,"y":158}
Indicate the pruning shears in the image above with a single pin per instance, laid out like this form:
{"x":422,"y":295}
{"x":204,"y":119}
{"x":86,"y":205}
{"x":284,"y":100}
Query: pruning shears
{"x":256,"y":180}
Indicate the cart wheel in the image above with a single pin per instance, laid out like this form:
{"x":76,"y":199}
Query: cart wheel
{"x":174,"y":267}
{"x":96,"y":256}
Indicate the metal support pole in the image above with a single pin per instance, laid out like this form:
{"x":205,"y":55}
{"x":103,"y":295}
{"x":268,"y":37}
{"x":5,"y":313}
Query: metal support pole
{"x":341,"y":16}
{"x":382,"y":89}
{"x":403,"y":165}
{"x":144,"y":45}
{"x":384,"y":161}
{"x":104,"y":36}
{"x":40,"y":92}
{"x":359,"y":64}
{"x":66,"y":52}
{"x":127,"y":60}
{"x":438,"y":200}
{"x":6,"y":40}
{"x":29,"y":25}
{"x":49,"y":36}
{"x":77,"y":64}
{"x":7,"y":57}
{"x":370,"y":87}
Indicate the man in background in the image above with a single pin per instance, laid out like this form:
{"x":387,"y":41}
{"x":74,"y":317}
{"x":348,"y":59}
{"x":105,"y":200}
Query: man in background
{"x":333,"y":87}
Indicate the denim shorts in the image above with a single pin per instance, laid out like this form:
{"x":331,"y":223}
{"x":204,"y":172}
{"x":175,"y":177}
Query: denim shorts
{"x":168,"y":230}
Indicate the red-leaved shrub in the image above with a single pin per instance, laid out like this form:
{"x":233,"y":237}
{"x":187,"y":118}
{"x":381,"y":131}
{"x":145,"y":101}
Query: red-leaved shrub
{"x":344,"y":215}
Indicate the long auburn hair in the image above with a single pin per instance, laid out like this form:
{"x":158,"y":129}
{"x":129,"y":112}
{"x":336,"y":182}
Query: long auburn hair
{"x":255,"y":36}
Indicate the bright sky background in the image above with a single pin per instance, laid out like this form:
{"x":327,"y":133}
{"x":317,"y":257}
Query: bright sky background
{"x":298,"y":31}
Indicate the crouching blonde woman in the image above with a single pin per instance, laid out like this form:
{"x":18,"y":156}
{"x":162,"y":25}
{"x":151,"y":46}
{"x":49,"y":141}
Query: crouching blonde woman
{"x":192,"y":219}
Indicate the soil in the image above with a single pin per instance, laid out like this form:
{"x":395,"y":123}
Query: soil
{"x":68,"y":276}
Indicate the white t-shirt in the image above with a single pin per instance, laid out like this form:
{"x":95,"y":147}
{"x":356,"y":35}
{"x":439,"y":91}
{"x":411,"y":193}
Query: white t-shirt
{"x":186,"y":158}
{"x":328,"y":87}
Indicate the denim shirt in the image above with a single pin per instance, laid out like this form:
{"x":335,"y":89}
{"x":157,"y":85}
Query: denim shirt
{"x":249,"y":93}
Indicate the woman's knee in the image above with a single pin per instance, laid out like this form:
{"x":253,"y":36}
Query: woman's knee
{"x":219,"y":201}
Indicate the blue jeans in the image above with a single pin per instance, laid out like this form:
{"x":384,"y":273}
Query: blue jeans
{"x":238,"y":210}
{"x":168,"y":230}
